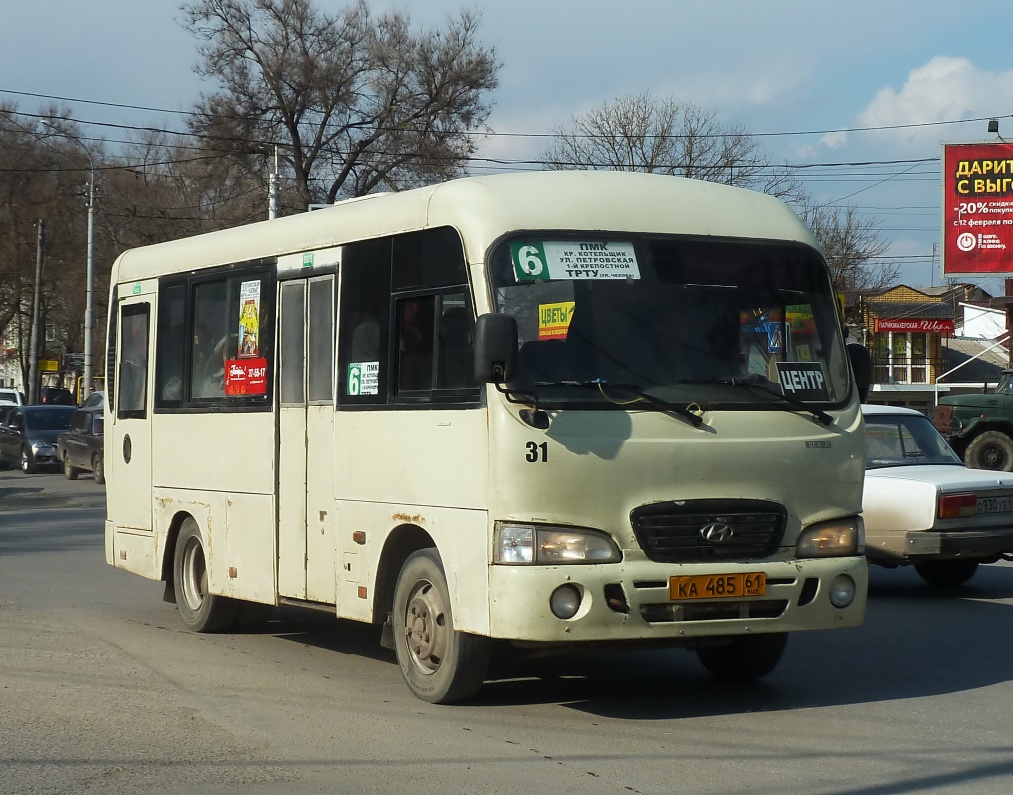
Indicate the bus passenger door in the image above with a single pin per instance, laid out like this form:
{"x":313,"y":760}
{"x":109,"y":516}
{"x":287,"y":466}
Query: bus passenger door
{"x":306,"y":546}
{"x":128,"y":451}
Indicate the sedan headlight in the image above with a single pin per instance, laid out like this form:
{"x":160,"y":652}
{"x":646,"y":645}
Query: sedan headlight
{"x":838,"y":538}
{"x":545,"y":544}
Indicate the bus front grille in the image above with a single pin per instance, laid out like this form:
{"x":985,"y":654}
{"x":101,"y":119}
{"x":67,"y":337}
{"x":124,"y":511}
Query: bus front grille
{"x":703,"y":530}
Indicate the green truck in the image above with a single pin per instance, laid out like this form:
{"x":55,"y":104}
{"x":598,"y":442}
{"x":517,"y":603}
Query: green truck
{"x":980,"y":427}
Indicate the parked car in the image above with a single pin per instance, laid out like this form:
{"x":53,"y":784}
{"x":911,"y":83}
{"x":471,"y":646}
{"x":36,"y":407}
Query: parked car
{"x":81,"y":446}
{"x":923,"y":507}
{"x":94,"y":399}
{"x":28,"y":436}
{"x":57,"y":396}
{"x":12,"y":396}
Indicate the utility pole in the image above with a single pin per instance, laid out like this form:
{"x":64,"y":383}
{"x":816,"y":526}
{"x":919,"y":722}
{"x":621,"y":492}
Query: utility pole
{"x":33,"y":359}
{"x":89,"y":315}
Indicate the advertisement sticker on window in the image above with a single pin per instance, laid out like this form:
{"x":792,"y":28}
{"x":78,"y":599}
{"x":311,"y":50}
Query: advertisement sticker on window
{"x":246,"y":377}
{"x":249,"y":319}
{"x":554,"y":320}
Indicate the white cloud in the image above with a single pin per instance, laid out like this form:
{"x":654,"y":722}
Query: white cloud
{"x":944,"y":89}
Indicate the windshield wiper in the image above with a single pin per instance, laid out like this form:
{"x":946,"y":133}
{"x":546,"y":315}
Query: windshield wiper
{"x":749,"y":383}
{"x":682,"y":412}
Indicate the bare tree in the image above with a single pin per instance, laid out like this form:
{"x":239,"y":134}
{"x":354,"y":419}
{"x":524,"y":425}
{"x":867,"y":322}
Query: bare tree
{"x":354,"y":101}
{"x":41,"y":176}
{"x":851,"y":244}
{"x":666,"y":136}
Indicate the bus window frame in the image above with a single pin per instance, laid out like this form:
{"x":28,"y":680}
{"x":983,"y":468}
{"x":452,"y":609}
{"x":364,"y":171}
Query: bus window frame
{"x":265,"y":270}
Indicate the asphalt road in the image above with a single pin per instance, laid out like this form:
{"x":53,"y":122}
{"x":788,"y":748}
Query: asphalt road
{"x":101,"y":689}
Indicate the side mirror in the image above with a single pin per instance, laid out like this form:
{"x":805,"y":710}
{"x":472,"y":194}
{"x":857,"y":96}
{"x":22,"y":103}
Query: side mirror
{"x":861,"y":368}
{"x":495,"y":348}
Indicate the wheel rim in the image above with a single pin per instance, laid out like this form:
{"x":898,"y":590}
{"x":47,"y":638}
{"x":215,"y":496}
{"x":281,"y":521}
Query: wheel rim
{"x":195,"y":574}
{"x":24,"y":461}
{"x":425,"y":629}
{"x":993,"y":457}
{"x":96,"y":468}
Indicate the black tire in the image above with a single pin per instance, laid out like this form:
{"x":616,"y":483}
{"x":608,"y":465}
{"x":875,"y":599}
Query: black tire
{"x":98,"y":469}
{"x":439,"y":664}
{"x":746,"y":658}
{"x":28,"y":465}
{"x":200,"y":611}
{"x":946,"y":573}
{"x":990,"y":450}
{"x":69,"y":470}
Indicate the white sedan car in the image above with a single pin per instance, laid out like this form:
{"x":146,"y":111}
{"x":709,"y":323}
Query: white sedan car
{"x":923,"y":507}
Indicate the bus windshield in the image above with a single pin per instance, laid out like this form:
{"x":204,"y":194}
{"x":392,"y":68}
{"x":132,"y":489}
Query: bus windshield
{"x":684,"y":319}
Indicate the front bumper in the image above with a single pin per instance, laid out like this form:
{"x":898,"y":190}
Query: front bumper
{"x":917,"y":545}
{"x":629,"y":602}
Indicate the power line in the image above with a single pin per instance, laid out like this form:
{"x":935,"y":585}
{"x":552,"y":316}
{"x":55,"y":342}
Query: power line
{"x":783,"y":133}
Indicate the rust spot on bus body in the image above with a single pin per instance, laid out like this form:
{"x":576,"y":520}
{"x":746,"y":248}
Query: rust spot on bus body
{"x":403,"y":517}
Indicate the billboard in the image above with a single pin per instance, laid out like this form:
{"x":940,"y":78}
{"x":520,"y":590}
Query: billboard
{"x":977,"y":209}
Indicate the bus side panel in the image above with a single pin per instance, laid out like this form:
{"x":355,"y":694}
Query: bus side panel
{"x":134,"y":550}
{"x":250,"y":548}
{"x":238,"y":520}
{"x":433,"y":459}
{"x":239,"y":539}
{"x":233,"y":450}
{"x":461,"y":540}
{"x":430,"y":457}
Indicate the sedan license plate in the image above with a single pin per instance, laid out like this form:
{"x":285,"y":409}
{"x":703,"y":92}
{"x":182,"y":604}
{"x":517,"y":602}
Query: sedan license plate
{"x":717,"y":586}
{"x":1002,"y":504}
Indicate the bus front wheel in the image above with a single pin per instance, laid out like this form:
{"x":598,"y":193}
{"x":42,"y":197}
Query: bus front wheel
{"x":745,"y":658}
{"x":439,"y":664}
{"x":200,"y":610}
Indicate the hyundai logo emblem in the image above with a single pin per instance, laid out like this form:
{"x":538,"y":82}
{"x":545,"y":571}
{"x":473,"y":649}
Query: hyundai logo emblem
{"x":716,"y":533}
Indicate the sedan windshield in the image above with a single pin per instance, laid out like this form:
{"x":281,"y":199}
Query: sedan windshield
{"x":682,"y":319}
{"x":55,"y":419}
{"x":904,"y":440}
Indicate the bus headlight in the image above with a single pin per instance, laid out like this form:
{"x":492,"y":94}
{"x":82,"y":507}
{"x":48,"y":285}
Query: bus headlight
{"x":530,"y":543}
{"x":838,"y":538}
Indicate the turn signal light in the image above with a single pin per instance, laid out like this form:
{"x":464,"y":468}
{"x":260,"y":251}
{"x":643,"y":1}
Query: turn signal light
{"x":955,"y":506}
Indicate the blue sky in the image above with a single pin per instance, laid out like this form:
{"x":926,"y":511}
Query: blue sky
{"x":774,"y":67}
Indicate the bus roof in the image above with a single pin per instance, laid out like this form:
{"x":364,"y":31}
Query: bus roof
{"x":485,"y":208}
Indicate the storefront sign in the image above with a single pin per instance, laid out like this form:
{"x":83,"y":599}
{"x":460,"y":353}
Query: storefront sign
{"x":911,"y":324}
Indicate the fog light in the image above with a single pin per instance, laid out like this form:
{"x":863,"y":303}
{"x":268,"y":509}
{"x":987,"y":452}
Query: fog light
{"x":565,"y":601}
{"x":842,"y":591}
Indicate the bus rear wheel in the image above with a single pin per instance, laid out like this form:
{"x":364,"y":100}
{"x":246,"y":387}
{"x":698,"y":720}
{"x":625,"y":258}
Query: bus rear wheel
{"x":439,"y":664}
{"x":200,"y":610}
{"x":746,"y":658}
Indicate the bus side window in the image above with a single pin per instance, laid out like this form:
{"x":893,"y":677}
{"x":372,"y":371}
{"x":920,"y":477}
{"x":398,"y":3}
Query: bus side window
{"x":133,"y":361}
{"x":456,"y":352}
{"x":415,"y":327}
{"x":170,"y":345}
{"x":210,"y":336}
